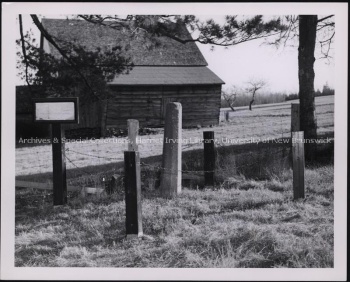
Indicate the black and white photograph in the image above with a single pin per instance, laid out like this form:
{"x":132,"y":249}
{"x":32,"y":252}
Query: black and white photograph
{"x":163,"y":141}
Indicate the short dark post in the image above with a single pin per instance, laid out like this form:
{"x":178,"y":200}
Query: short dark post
{"x":298,"y":164}
{"x":209,"y":157}
{"x":132,"y":182}
{"x":59,"y":165}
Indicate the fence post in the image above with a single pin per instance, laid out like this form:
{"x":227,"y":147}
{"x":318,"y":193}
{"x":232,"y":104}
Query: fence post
{"x":227,"y":115}
{"x":171,"y":175}
{"x":298,"y":164}
{"x":133,"y":130}
{"x":132,"y":182}
{"x":295,"y":118}
{"x":209,"y":157}
{"x":59,"y":165}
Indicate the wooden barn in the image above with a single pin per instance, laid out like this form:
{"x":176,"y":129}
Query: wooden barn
{"x":170,"y":72}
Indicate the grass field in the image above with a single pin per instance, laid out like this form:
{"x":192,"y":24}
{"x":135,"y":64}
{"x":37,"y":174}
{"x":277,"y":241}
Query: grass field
{"x":245,"y":221}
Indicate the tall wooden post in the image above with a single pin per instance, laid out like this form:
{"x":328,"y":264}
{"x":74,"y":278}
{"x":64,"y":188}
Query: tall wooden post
{"x":295,"y":118}
{"x":171,"y":175}
{"x":209,"y":157}
{"x":298,"y":164}
{"x":133,"y":131}
{"x":59,"y":165}
{"x":133,"y":222}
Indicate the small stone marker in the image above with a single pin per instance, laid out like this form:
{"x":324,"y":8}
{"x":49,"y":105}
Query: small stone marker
{"x":132,"y":182}
{"x":133,"y":130}
{"x":170,"y":184}
{"x":298,"y":164}
{"x":113,"y":184}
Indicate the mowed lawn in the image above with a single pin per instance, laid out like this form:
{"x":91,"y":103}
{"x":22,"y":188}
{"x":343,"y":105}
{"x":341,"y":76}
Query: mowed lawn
{"x":265,"y":121}
{"x":242,"y":223}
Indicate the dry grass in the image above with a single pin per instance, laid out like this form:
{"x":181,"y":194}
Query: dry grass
{"x":248,"y":220}
{"x":243,"y":223}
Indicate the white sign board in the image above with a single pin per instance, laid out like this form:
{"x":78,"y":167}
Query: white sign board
{"x":56,"y":110}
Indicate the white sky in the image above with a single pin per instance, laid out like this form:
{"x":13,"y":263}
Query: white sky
{"x":251,"y":60}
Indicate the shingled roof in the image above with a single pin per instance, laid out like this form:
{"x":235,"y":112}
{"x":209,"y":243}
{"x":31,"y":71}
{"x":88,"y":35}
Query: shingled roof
{"x":169,"y":53}
{"x":152,"y":75}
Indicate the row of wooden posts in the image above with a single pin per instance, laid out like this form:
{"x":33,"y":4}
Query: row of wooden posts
{"x":171,"y":175}
{"x":171,"y":163}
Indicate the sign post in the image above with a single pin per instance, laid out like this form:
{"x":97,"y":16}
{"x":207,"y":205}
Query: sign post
{"x":59,"y":165}
{"x":57,"y":111}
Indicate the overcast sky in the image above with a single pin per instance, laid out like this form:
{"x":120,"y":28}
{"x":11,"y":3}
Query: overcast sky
{"x":251,"y":60}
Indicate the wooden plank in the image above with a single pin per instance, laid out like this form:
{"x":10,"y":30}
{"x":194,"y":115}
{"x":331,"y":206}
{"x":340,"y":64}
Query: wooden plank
{"x":48,"y":186}
{"x":186,"y":176}
{"x":298,"y":164}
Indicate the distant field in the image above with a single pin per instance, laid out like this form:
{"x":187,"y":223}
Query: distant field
{"x":319,"y":101}
{"x":264,"y":121}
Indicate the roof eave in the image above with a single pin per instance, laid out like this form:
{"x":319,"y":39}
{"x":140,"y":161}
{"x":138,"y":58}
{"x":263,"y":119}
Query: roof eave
{"x":165,"y":84}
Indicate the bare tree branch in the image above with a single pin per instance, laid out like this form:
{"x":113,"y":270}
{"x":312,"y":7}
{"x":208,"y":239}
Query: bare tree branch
{"x":327,"y":42}
{"x":159,"y":25}
{"x":332,"y":24}
{"x":321,"y":20}
{"x":24,"y":51}
{"x":230,"y":97}
{"x":255,"y":85}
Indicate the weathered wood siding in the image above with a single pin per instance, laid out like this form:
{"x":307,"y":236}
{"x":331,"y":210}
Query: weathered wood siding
{"x":89,"y":116}
{"x":200,"y":104}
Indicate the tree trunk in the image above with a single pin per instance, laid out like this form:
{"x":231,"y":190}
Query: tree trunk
{"x":306,"y":59}
{"x":250,"y":104}
{"x":103,"y":117}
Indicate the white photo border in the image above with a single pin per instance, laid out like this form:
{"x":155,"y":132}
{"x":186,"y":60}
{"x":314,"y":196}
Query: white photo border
{"x":9,"y":13}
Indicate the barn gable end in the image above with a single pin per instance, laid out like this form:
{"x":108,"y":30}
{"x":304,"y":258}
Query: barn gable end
{"x":171,"y":71}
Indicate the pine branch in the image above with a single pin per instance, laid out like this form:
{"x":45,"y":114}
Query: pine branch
{"x":49,"y":38}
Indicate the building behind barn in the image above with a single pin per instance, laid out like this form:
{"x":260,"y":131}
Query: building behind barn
{"x":168,"y":72}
